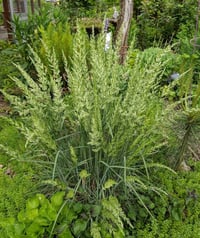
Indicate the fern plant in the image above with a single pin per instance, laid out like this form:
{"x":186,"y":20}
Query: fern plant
{"x":99,"y":139}
{"x":59,"y":38}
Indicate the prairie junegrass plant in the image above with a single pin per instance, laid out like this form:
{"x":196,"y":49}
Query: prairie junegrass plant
{"x":100,"y":138}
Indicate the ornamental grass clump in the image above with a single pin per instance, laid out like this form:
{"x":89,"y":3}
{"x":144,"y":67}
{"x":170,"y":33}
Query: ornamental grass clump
{"x":101,"y":137}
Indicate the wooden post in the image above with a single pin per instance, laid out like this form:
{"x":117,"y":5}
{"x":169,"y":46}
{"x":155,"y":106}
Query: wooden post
{"x":39,"y":3}
{"x":123,"y":27}
{"x":18,"y":5}
{"x":7,"y":18}
{"x":32,"y":6}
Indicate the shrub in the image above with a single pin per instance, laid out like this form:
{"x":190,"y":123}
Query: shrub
{"x":62,"y":217}
{"x":160,"y":21}
{"x":27,"y":32}
{"x":178,"y":214}
{"x":100,"y":139}
{"x":58,"y":38}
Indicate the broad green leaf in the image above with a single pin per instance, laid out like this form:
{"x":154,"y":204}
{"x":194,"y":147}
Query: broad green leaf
{"x":69,"y":213}
{"x":48,"y":212}
{"x":57,"y":199}
{"x":31,"y":214}
{"x":79,"y":226}
{"x":4,"y":222}
{"x":51,"y":212}
{"x":22,"y":216}
{"x":175,"y":214}
{"x":96,"y":210}
{"x":19,"y":228}
{"x":32,"y":203}
{"x":42,"y":199}
{"x":42,"y":221}
{"x":33,"y":228}
{"x":118,"y":234}
{"x":65,"y":234}
{"x":77,"y":207}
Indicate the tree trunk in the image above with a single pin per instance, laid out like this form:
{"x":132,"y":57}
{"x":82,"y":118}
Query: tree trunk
{"x":123,"y":27}
{"x":32,"y":7}
{"x":7,"y":18}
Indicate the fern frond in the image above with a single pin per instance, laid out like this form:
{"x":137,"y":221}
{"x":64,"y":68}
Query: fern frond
{"x":113,"y":212}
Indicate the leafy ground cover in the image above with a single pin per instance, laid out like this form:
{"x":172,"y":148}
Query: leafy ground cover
{"x":92,"y":148}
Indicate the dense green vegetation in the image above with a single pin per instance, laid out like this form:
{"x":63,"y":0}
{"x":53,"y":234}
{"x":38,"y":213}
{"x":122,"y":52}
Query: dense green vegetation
{"x":93,"y":148}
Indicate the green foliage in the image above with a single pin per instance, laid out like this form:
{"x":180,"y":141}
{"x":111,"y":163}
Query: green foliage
{"x":27,"y":32}
{"x":15,"y":182}
{"x":100,"y":139}
{"x":88,"y":8}
{"x":40,"y":105}
{"x":114,"y":218}
{"x":59,"y":38}
{"x":16,"y":179}
{"x":44,"y":217}
{"x":160,"y":21}
{"x":8,"y":55}
{"x":10,"y":136}
{"x":171,"y":62}
{"x":1,"y":13}
{"x":36,"y":219}
{"x":186,"y":120}
{"x":177,"y":214}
